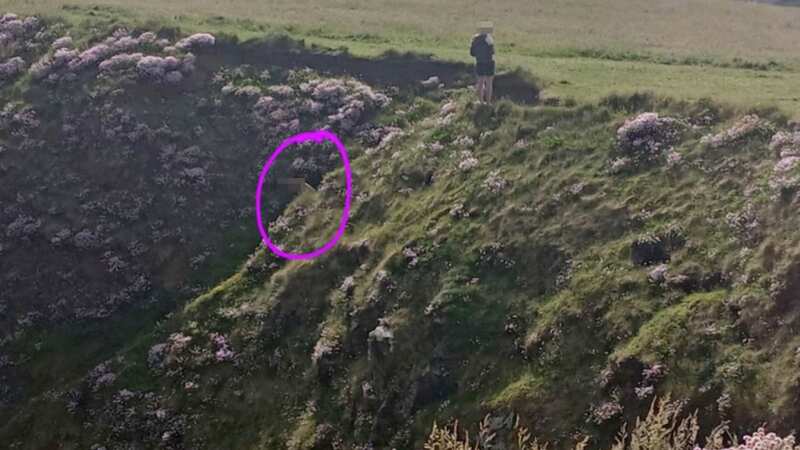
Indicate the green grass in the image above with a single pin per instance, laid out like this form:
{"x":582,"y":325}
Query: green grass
{"x":450,"y":311}
{"x":581,"y":49}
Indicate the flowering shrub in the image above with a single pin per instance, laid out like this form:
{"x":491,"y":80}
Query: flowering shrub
{"x":458,"y":211}
{"x":786,"y":147}
{"x":62,"y":42}
{"x":745,"y":224}
{"x":467,"y":162}
{"x":348,"y":285}
{"x":412,"y":256}
{"x":606,"y":411}
{"x":100,"y":376}
{"x":49,"y":65}
{"x":674,"y":159}
{"x":281,"y":91}
{"x":785,"y":144}
{"x":748,"y":126}
{"x":223,"y":350}
{"x":195,"y":41}
{"x":646,"y":136}
{"x":431,"y":82}
{"x":14,"y":28}
{"x":786,"y":164}
{"x":114,"y":54}
{"x":23,"y":226}
{"x":343,"y":104}
{"x":620,"y":165}
{"x":495,"y":183}
{"x":86,"y":239}
{"x":121,"y":62}
{"x":11,"y":68}
{"x":464,"y":142}
{"x":761,"y":440}
{"x":658,"y":274}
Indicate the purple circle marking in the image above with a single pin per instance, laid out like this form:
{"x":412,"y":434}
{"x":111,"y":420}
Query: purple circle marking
{"x":318,"y":137}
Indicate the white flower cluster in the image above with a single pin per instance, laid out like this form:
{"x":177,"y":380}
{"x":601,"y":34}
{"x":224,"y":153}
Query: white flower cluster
{"x":786,"y":147}
{"x":762,"y":440}
{"x":348,"y":285}
{"x":674,"y":159}
{"x":606,"y":411}
{"x":458,"y":211}
{"x":495,"y":183}
{"x":645,"y":136}
{"x":13,"y":28}
{"x":11,"y":68}
{"x":62,"y":42}
{"x":246,"y":92}
{"x":156,"y":69}
{"x":23,"y":226}
{"x":658,"y":274}
{"x":196,"y":41}
{"x":327,"y":345}
{"x":223,"y":350}
{"x":117,"y":53}
{"x":468,"y":161}
{"x":745,"y":127}
{"x":100,"y":376}
{"x":464,"y":142}
{"x":785,"y":144}
{"x":786,"y":164}
{"x":343,"y":104}
{"x":412,"y":256}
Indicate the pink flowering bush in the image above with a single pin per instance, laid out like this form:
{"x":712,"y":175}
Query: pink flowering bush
{"x":336,"y":103}
{"x":464,"y":142}
{"x":786,"y":164}
{"x":196,"y":41}
{"x":15,"y":28}
{"x":62,"y":42}
{"x":495,"y":183}
{"x":746,"y":224}
{"x":115,"y":54}
{"x":121,"y":62}
{"x":23,"y":226}
{"x":785,"y":144}
{"x":222,"y":348}
{"x":748,"y":126}
{"x":762,"y":440}
{"x":785,"y":180}
{"x":467,"y":161}
{"x":49,"y":65}
{"x":11,"y":68}
{"x":674,"y":159}
{"x":605,"y":411}
{"x":646,"y":136}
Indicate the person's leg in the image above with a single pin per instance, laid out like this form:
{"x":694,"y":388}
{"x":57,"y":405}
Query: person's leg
{"x":489,"y":89}
{"x":479,"y":88}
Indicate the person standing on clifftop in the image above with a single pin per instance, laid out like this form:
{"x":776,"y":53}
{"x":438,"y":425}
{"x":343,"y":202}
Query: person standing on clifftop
{"x":482,"y":49}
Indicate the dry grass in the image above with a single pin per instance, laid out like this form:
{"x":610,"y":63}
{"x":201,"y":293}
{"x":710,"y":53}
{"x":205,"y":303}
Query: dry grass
{"x":664,"y":427}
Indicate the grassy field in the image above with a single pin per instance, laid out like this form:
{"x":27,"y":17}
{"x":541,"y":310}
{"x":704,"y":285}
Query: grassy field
{"x":582,"y":49}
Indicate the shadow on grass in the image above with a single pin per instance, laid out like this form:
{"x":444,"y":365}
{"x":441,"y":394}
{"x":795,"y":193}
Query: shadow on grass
{"x":403,"y":70}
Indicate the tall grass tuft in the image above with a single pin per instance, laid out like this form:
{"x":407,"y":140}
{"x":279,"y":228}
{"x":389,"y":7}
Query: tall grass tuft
{"x":664,"y":427}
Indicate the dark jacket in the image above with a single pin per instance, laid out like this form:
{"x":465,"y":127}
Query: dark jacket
{"x":481,"y":50}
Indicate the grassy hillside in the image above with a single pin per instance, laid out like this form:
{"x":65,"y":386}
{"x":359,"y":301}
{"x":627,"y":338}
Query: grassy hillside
{"x":582,"y":49}
{"x":566,"y":261}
